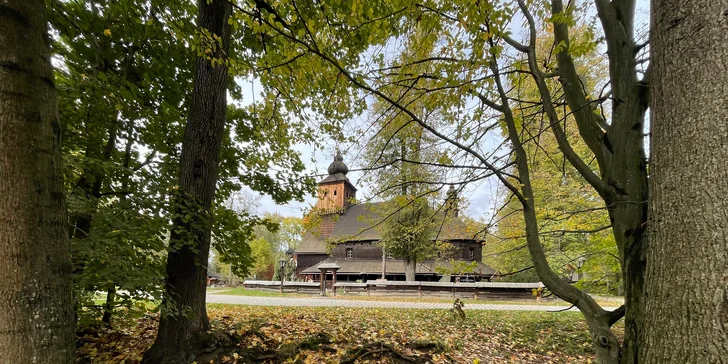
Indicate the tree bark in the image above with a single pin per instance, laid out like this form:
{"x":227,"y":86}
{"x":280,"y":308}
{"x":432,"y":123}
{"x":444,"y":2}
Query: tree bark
{"x":109,"y":306}
{"x":410,"y":268}
{"x":36,"y":324}
{"x":190,"y":236}
{"x":687,"y":274}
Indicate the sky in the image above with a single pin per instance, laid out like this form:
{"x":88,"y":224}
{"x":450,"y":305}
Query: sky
{"x":481,"y":197}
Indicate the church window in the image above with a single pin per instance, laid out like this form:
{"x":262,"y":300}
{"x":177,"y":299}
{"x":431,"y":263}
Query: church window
{"x":349,"y":253}
{"x":334,"y":192}
{"x":471,"y":254}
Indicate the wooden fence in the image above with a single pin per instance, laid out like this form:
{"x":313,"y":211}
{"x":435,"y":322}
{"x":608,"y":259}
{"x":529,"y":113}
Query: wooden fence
{"x":288,"y":287}
{"x":480,"y":290}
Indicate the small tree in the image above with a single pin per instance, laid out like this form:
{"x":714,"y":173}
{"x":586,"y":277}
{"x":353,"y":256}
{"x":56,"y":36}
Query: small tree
{"x":408,"y":232}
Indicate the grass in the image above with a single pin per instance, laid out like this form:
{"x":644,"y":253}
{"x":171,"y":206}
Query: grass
{"x":482,"y":337}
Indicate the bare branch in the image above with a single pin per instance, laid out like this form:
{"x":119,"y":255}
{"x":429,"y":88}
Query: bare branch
{"x":616,"y":315}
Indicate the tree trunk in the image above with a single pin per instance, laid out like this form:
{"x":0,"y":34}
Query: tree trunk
{"x":598,"y":320}
{"x":618,"y":150}
{"x":190,"y":236}
{"x":111,"y":291}
{"x":109,"y":306}
{"x":687,"y":275}
{"x":36,"y":324}
{"x":90,"y":185}
{"x":410,"y":268}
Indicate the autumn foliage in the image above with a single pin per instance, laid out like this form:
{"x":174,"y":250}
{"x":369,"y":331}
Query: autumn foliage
{"x":332,"y":335}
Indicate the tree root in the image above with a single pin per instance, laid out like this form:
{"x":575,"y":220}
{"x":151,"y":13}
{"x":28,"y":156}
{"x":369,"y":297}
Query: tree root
{"x":426,"y":345}
{"x":375,"y":348}
{"x":287,"y":351}
{"x":437,"y":346}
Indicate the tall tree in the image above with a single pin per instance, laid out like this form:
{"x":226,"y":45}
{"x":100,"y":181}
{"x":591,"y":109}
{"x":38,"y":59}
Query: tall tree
{"x":121,"y":129}
{"x":184,"y":313}
{"x":687,"y":275}
{"x":35,"y":265}
{"x":401,"y":162}
{"x":397,"y":158}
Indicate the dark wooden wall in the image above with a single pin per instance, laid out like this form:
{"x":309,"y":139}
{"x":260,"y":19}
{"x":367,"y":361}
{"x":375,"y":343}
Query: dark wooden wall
{"x":362,"y":250}
{"x":304,"y":261}
{"x":368,"y":250}
{"x":461,"y":250}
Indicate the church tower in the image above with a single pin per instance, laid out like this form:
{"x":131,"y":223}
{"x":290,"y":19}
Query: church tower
{"x":452,"y":205}
{"x":336,"y":192}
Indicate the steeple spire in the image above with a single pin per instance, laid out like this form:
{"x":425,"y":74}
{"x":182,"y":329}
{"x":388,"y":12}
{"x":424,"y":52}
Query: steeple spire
{"x":338,"y":165}
{"x":451,"y":202}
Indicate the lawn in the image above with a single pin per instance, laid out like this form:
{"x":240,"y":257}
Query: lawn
{"x":333,"y":335}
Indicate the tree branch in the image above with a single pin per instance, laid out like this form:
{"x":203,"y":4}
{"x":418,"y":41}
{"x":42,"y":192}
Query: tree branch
{"x":588,"y":121}
{"x":616,"y":315}
{"x":584,"y":170}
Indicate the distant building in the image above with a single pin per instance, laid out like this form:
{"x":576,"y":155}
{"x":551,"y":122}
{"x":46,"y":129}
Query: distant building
{"x":351,"y":227}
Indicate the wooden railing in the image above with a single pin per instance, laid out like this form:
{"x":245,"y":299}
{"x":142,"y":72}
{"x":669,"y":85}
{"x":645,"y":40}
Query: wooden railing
{"x":480,"y":290}
{"x":288,"y":287}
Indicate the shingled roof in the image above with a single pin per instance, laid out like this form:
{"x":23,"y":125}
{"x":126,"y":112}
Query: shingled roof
{"x":360,"y":223}
{"x":335,"y":178}
{"x":353,"y":266}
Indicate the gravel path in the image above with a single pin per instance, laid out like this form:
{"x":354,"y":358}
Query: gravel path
{"x":332,"y":302}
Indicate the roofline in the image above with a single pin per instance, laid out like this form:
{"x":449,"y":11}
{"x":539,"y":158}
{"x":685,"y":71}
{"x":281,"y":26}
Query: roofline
{"x":354,"y":239}
{"x":333,"y":182}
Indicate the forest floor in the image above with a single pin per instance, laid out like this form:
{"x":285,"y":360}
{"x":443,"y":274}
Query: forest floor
{"x":263,"y":334}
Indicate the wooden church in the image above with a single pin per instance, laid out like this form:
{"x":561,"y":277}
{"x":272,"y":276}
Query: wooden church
{"x":350,"y":227}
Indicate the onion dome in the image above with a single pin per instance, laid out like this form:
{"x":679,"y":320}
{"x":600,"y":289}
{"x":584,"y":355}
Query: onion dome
{"x":451,"y":191}
{"x":338,"y":166}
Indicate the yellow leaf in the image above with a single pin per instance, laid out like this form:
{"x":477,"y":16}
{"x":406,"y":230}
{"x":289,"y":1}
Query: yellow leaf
{"x":107,"y":32}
